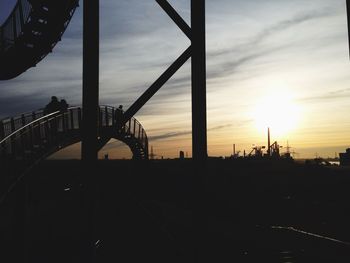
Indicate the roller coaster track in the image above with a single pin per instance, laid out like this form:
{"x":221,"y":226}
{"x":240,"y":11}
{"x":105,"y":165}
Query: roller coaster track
{"x":31,"y":32}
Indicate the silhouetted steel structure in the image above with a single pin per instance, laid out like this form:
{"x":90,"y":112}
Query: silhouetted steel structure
{"x":199,"y":108}
{"x":89,"y":147}
{"x":34,"y":27}
{"x":348,"y":14}
{"x":198,"y":53}
{"x":30,"y":32}
{"x":34,"y":136}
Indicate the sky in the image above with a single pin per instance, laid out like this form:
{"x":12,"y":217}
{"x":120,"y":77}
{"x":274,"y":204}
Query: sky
{"x":282,"y":64}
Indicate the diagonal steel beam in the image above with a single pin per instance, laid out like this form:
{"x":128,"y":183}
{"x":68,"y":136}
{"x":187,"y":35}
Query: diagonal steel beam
{"x":175,"y":17}
{"x":148,"y":94}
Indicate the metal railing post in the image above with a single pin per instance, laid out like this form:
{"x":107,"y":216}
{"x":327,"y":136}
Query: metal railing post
{"x":30,"y":135}
{"x":12,"y":125}
{"x":134,"y":127}
{"x":22,"y":134}
{"x":79,"y":119}
{"x":23,"y":118}
{"x":106,"y":116}
{"x":71,"y":119}
{"x":13,"y":143}
{"x":64,"y":122}
{"x":113,"y":117}
{"x":2,"y":130}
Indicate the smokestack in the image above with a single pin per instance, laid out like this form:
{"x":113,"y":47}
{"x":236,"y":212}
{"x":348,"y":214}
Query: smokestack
{"x":268,"y":142}
{"x":234,"y":149}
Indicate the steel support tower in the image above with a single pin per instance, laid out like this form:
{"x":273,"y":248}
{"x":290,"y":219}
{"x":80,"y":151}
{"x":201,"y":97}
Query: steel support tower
{"x":199,"y":98}
{"x":90,"y":80}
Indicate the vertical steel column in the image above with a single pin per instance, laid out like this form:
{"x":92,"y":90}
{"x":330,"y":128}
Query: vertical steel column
{"x":348,"y":15}
{"x":90,"y":122}
{"x":90,"y":81}
{"x":199,"y":100}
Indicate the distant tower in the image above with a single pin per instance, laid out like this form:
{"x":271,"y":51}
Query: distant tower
{"x":152,"y":155}
{"x":288,"y":148}
{"x":182,"y":155}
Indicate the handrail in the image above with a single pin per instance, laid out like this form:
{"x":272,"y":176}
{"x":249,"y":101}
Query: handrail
{"x":33,"y":122}
{"x":27,"y":125}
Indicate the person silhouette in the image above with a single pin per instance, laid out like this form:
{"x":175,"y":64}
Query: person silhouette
{"x":119,"y":115}
{"x":52,"y":106}
{"x":63,"y":105}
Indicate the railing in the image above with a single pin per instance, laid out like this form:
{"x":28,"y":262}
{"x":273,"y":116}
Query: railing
{"x":13,"y":26}
{"x":112,"y":116}
{"x":10,"y":125}
{"x":30,"y":134}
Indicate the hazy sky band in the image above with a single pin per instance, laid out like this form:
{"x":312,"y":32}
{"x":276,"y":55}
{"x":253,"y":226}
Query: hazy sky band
{"x":253,"y":48}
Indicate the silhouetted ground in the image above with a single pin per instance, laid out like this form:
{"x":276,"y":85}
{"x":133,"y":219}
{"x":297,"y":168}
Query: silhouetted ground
{"x":159,"y":212}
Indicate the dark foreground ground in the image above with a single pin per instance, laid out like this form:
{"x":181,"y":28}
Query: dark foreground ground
{"x":170,"y":211}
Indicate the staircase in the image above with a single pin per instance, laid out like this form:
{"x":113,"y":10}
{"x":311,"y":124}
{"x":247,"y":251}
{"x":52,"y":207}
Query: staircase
{"x":31,"y":32}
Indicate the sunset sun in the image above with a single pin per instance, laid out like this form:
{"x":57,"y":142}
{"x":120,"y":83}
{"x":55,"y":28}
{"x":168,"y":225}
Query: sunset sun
{"x":277,"y":111}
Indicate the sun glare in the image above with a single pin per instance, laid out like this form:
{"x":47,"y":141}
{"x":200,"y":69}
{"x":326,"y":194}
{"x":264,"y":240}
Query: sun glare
{"x":278,"y":111}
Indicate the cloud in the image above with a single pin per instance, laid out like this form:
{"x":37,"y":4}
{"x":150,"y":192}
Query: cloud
{"x":170,"y":135}
{"x":329,"y":96}
{"x":268,"y":32}
{"x":227,"y":61}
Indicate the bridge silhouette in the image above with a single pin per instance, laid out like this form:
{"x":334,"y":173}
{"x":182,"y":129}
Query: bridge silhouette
{"x":34,"y":136}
